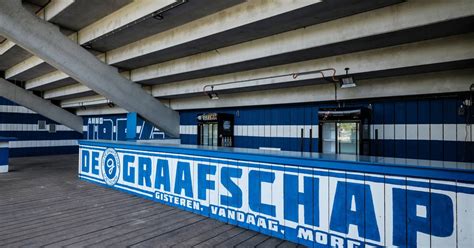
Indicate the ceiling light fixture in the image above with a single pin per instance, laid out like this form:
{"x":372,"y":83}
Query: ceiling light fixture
{"x":158,"y":17}
{"x":347,"y":81}
{"x":211,"y":94}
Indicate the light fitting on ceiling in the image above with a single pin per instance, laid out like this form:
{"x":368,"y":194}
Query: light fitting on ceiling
{"x":347,"y":81}
{"x":158,"y":17}
{"x":211,"y":94}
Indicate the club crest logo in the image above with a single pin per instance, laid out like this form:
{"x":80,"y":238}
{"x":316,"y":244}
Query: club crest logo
{"x":110,"y":166}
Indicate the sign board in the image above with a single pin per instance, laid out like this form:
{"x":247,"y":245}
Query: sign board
{"x":311,"y":206}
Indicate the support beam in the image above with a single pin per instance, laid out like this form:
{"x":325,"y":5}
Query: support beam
{"x":45,"y":41}
{"x":53,"y":8}
{"x":39,"y":105}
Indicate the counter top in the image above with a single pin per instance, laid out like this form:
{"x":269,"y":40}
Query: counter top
{"x":357,"y":163}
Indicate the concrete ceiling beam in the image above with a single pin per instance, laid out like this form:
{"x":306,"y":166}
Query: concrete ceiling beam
{"x":391,"y":19}
{"x":396,"y":58}
{"x":427,"y":83}
{"x":75,"y":90}
{"x":115,"y":21}
{"x":418,"y":57}
{"x":39,"y":105}
{"x":45,"y":41}
{"x":53,"y":8}
{"x":232,"y":19}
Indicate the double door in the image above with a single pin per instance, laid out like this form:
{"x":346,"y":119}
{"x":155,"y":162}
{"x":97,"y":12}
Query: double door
{"x":208,"y":134}
{"x":340,"y":137}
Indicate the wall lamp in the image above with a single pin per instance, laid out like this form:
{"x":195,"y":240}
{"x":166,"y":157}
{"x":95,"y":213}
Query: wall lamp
{"x":209,"y":89}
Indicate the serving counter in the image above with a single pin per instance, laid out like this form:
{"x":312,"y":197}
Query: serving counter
{"x":308,"y":198}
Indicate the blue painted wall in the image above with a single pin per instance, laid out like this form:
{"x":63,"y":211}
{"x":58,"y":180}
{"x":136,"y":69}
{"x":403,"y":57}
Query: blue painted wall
{"x":22,"y":123}
{"x":418,"y":128}
{"x":114,"y":127}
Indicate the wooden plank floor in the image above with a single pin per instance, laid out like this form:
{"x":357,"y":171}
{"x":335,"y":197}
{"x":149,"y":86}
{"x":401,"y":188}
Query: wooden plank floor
{"x":42,"y":203}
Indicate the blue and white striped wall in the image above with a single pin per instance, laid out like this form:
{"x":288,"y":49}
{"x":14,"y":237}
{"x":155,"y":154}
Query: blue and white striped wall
{"x":264,"y":126}
{"x":114,"y":127}
{"x":21,"y":123}
{"x":425,"y":128}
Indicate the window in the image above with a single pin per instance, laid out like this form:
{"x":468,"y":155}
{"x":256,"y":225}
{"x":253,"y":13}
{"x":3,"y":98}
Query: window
{"x":41,"y":125}
{"x":52,"y":128}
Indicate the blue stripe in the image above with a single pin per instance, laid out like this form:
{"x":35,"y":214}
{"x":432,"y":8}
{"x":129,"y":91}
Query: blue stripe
{"x":23,"y":118}
{"x":41,"y":151}
{"x":42,"y":135}
{"x":4,"y":101}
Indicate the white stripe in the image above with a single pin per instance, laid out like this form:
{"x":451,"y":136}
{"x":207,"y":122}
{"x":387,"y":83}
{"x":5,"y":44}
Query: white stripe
{"x":400,"y":132}
{"x":132,"y":190}
{"x":277,"y":131}
{"x":4,"y":168}
{"x":15,"y":109}
{"x":389,"y":131}
{"x":41,"y":143}
{"x":423,"y":131}
{"x":3,"y":144}
{"x":28,"y":127}
{"x":412,"y":132}
{"x":438,"y":132}
{"x":449,"y":132}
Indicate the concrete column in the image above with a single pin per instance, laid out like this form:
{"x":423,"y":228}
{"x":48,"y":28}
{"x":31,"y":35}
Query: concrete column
{"x":4,"y":153}
{"x":45,"y":41}
{"x":39,"y":105}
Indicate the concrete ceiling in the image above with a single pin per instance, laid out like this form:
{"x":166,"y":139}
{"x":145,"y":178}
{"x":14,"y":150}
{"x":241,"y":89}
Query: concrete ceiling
{"x":84,"y":12}
{"x":172,"y":16}
{"x":311,"y":15}
{"x":458,"y":26}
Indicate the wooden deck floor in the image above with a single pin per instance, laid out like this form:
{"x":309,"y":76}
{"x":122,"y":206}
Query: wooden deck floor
{"x":42,"y":203}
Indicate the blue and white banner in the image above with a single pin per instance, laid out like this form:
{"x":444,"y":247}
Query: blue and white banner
{"x":311,"y":206}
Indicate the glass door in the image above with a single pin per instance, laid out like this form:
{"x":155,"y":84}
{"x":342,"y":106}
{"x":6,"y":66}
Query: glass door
{"x":348,"y":137}
{"x":209,"y":134}
{"x":340,"y":137}
{"x":329,"y":137}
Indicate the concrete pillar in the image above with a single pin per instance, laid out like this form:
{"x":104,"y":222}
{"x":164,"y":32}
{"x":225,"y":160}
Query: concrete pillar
{"x":39,"y":105}
{"x":45,"y":41}
{"x":4,"y":153}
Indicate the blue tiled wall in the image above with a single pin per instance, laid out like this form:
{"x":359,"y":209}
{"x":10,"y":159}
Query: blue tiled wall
{"x":418,"y":128}
{"x":22,"y":123}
